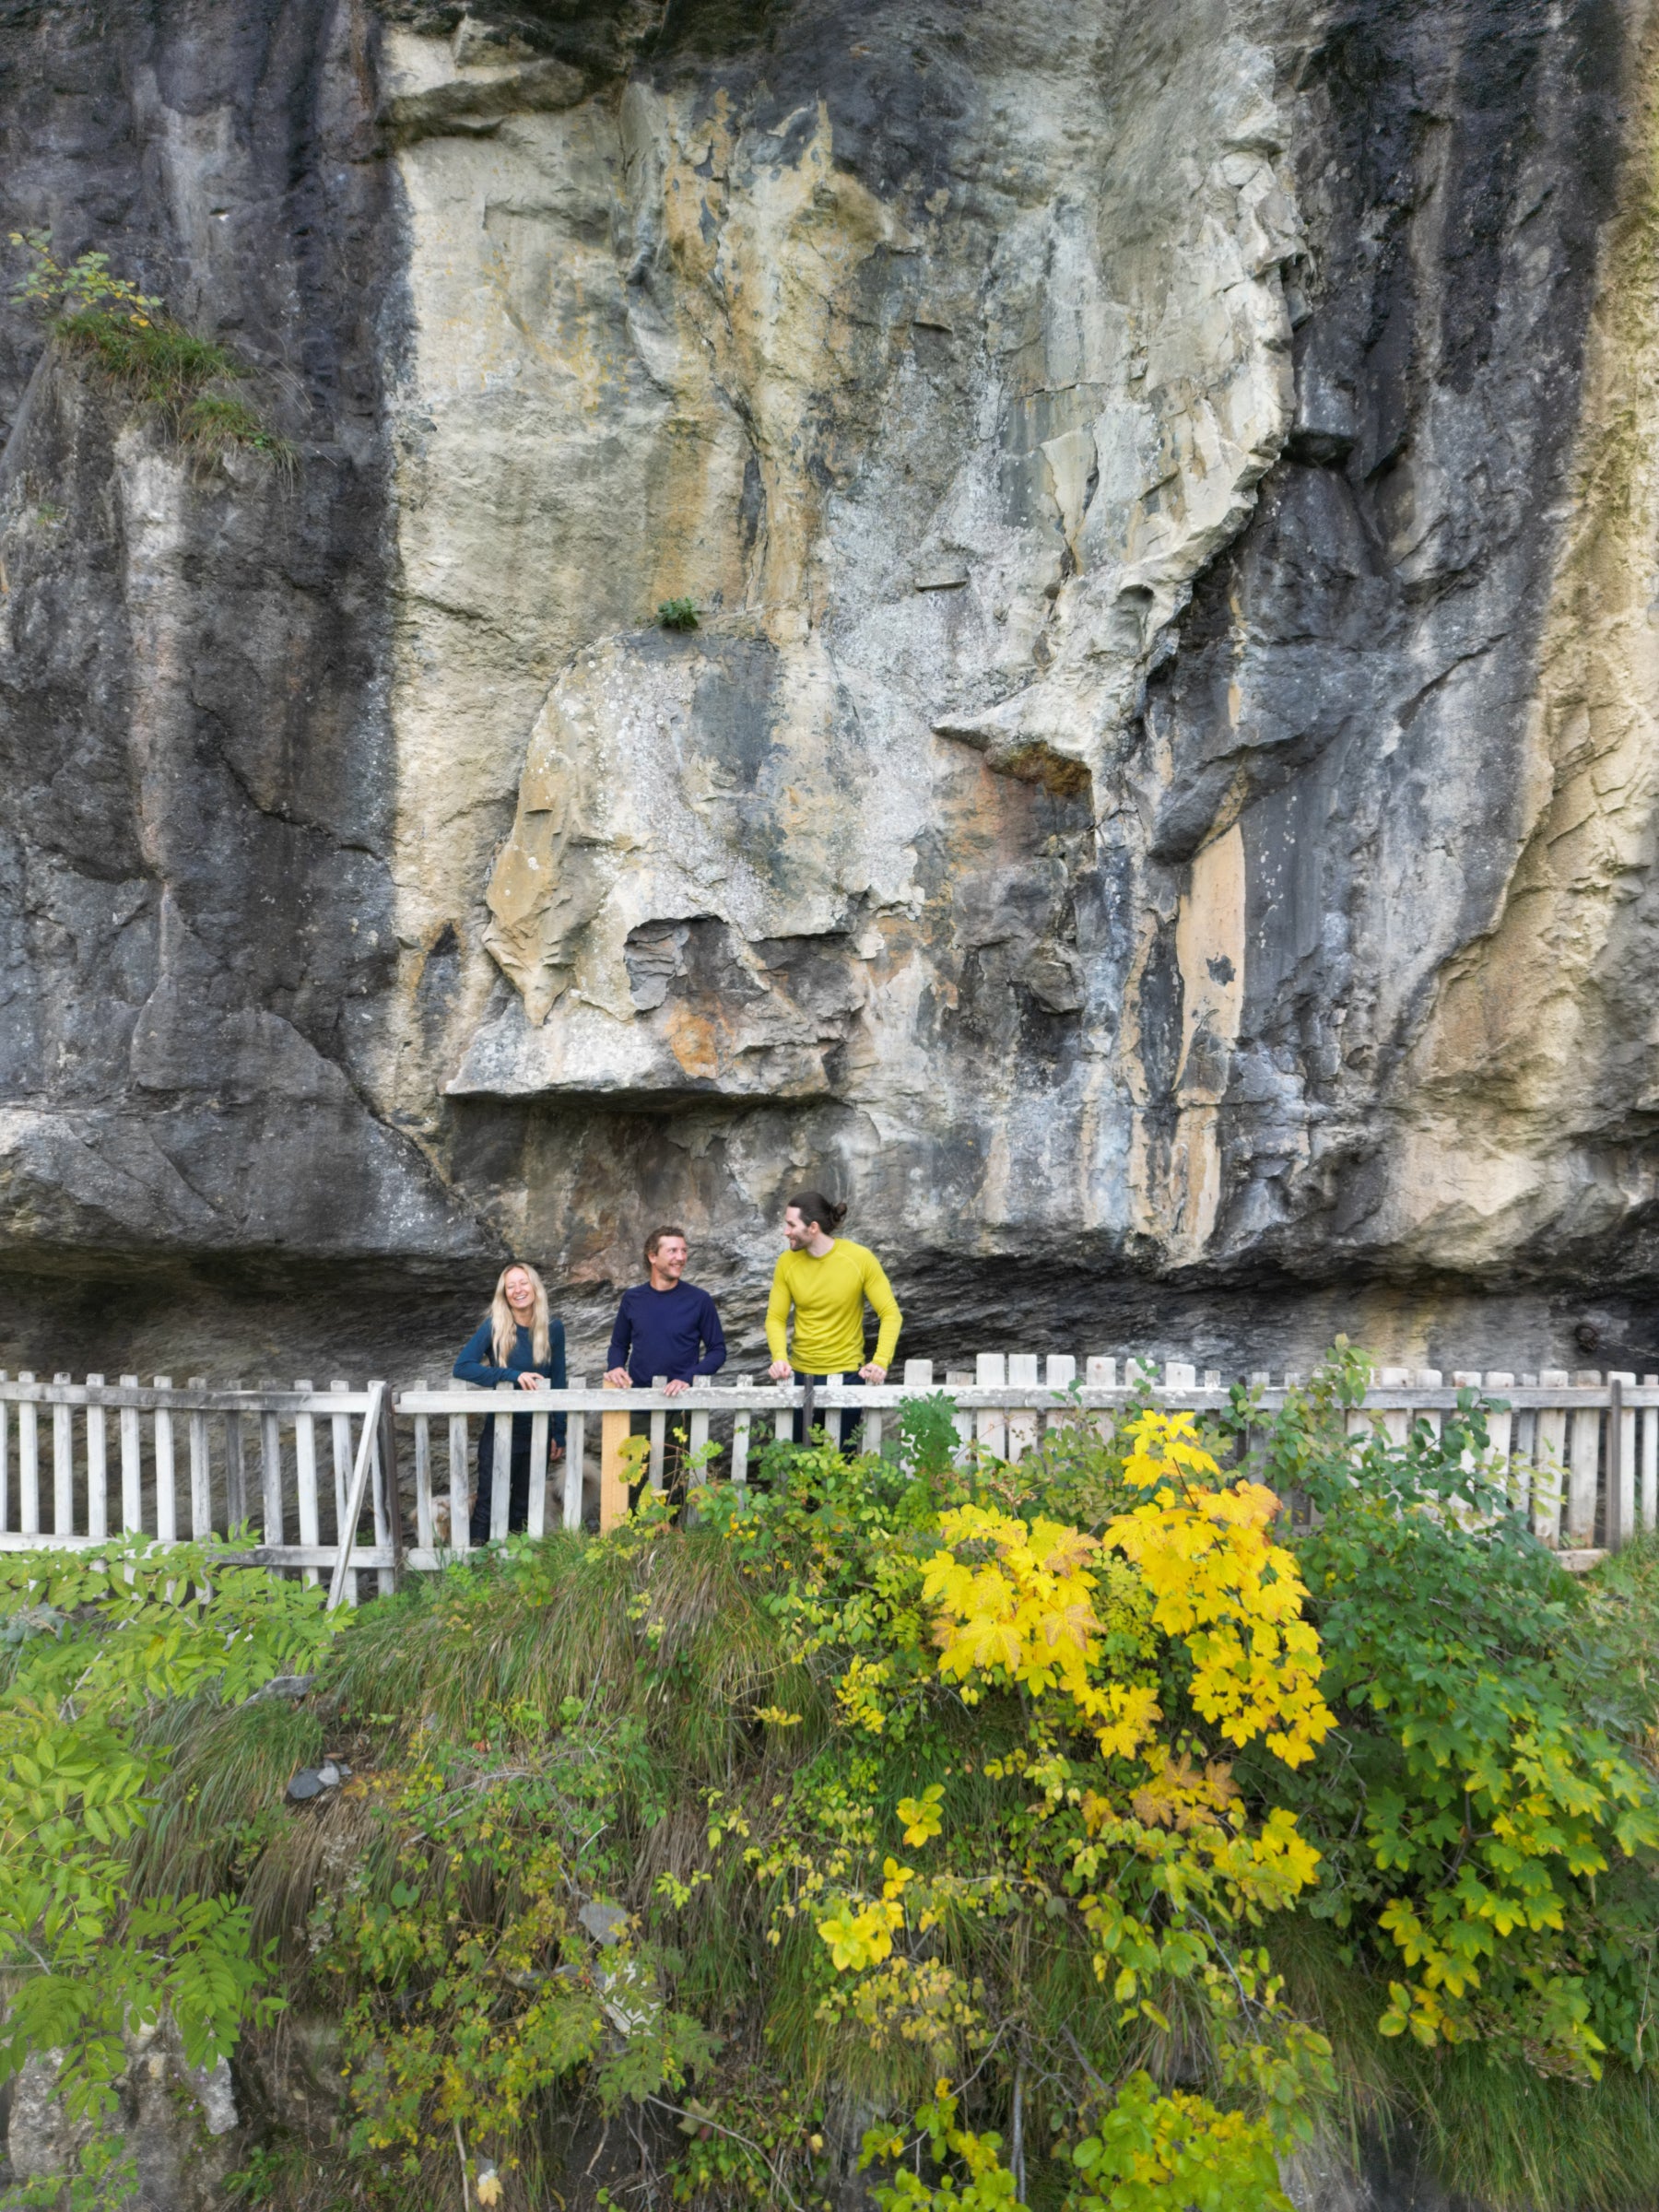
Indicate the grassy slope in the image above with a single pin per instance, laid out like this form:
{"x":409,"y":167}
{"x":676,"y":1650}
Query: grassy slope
{"x":667,"y":1651}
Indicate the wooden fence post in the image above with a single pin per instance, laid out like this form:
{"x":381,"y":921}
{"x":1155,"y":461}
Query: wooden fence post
{"x":613,"y":1483}
{"x":355,"y":1495}
{"x":390,"y":1576}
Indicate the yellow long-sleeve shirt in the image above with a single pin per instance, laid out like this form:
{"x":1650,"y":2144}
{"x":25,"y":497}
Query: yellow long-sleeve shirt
{"x":829,"y":1297}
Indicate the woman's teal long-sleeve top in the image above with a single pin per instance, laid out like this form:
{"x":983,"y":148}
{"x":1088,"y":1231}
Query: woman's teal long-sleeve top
{"x":476,"y":1364}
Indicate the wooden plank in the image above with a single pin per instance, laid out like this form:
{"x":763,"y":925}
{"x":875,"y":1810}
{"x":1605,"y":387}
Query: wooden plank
{"x":1430,"y":1378}
{"x":990,"y":1370}
{"x":346,"y":1535}
{"x":145,"y":1398}
{"x":131,"y":1463}
{"x":1621,"y":1462}
{"x":1099,"y":1373}
{"x":270,"y":1463}
{"x":740,"y":1440}
{"x":388,"y":1495}
{"x":423,"y":1479}
{"x":460,"y":1490}
{"x":659,"y":1433}
{"x":536,"y":1522}
{"x":1497,"y":1382}
{"x":1584,"y":1470}
{"x":699,"y":1437}
{"x":316,"y":1558}
{"x":1060,"y":1372}
{"x":1549,"y":1476}
{"x":98,"y":1469}
{"x":957,"y":1380}
{"x":200,"y":1470}
{"x":305,"y":1480}
{"x":62,"y":1468}
{"x":918,"y":1376}
{"x":1395,"y":1426}
{"x":613,"y":1470}
{"x":1527,"y":1444}
{"x":167,"y":1501}
{"x":1650,"y":1461}
{"x":236,"y":1473}
{"x":1024,"y":1424}
{"x":833,"y":1414}
{"x":500,"y":1473}
{"x":1179,"y":1375}
{"x":1465,"y":1378}
{"x":6,"y":1499}
{"x":575,"y":1461}
{"x":340,"y":1446}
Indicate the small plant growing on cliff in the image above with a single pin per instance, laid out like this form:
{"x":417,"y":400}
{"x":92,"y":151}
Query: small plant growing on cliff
{"x":144,"y":350}
{"x":86,"y":287}
{"x":678,"y":614}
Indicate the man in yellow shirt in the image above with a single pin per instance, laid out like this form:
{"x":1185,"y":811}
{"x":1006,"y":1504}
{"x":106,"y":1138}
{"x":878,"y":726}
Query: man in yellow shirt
{"x":827,"y":1279}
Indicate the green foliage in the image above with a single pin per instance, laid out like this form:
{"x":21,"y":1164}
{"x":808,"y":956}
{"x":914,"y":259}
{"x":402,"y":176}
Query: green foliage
{"x":1490,"y":1830}
{"x":1152,"y":2152}
{"x":473,"y":1988}
{"x":144,"y":352}
{"x":92,"y":1645}
{"x":985,"y":2182}
{"x":1064,"y":1844}
{"x":678,"y":614}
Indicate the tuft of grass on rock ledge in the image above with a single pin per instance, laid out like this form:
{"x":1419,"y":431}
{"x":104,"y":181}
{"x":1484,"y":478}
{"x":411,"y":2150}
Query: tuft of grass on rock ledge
{"x":159,"y":363}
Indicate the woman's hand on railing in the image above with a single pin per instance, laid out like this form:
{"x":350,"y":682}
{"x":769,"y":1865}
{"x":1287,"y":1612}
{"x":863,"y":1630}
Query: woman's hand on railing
{"x":530,"y":1380}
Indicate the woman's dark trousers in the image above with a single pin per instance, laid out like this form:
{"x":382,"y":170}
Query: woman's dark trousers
{"x":518,"y":1494}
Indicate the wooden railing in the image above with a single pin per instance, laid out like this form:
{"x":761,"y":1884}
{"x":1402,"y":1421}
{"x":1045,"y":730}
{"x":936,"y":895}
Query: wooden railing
{"x":295,"y":1467}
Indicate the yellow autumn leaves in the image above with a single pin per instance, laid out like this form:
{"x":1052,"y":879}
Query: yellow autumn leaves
{"x":1035,"y":1605}
{"x":1233,"y":1597}
{"x":1024,"y":1604}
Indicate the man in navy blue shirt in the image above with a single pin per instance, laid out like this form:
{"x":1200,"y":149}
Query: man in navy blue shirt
{"x":664,"y":1327}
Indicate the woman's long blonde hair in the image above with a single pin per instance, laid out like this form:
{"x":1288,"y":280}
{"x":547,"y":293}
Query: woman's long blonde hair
{"x":503,"y":1325}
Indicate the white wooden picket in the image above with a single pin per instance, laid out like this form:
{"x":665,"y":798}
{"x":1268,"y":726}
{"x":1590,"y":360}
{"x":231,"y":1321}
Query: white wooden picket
{"x":1578,"y":1452}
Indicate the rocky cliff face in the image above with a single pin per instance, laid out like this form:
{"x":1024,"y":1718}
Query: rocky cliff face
{"x":1158,"y":807}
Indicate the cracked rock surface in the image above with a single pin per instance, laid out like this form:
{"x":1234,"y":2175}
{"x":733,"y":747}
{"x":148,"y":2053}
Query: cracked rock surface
{"x":1157,"y":807}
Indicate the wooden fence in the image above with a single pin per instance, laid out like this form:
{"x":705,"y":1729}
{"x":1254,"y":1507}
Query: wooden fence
{"x":298,"y":1467}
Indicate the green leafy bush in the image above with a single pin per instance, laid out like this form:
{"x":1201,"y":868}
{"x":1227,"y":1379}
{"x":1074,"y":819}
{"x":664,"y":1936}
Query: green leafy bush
{"x":1490,"y":1830}
{"x":678,"y":614}
{"x":92,"y":1648}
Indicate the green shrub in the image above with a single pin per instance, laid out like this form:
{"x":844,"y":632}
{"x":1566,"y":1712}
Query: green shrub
{"x":1490,"y":1831}
{"x":93,"y":1648}
{"x":678,"y":614}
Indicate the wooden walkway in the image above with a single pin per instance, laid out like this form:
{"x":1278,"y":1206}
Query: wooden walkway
{"x":297,"y":1465}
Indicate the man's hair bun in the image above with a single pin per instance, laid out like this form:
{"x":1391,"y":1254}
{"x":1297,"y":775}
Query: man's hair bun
{"x":812,"y":1205}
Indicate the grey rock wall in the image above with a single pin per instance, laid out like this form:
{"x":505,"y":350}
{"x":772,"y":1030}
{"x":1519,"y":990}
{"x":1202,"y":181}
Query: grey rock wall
{"x":1158,"y":810}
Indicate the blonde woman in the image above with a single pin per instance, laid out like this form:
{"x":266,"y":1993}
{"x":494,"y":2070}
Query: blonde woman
{"x":519,"y":1342}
